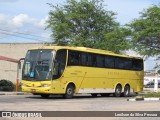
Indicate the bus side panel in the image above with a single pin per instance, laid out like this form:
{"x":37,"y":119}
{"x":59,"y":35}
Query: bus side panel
{"x":100,"y":80}
{"x":73,"y":74}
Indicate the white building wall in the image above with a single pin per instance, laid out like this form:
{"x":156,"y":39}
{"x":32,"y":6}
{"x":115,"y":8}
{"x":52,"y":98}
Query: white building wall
{"x":8,"y":70}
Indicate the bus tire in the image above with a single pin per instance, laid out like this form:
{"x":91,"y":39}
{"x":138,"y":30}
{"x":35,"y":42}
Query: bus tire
{"x":69,"y":92}
{"x":45,"y":95}
{"x":118,"y":91}
{"x":126,"y":92}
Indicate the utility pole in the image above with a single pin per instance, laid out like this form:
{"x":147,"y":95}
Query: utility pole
{"x":156,"y":76}
{"x":17,"y":80}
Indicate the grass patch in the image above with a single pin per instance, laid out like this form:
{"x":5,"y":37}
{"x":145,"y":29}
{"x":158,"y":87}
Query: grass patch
{"x":152,"y":94}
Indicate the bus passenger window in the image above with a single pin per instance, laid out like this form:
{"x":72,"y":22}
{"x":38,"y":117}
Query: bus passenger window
{"x":89,"y":60}
{"x":119,"y":63}
{"x":127,"y":64}
{"x":83,"y":59}
{"x":137,"y":64}
{"x":94,"y":60}
{"x":100,"y":61}
{"x":123,"y":63}
{"x":109,"y":62}
{"x":73,"y":58}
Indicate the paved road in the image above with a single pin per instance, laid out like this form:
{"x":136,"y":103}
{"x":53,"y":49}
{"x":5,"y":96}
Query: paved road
{"x":78,"y":103}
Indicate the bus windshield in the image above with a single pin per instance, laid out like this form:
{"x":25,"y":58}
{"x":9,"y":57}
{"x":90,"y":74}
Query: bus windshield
{"x":38,"y":65}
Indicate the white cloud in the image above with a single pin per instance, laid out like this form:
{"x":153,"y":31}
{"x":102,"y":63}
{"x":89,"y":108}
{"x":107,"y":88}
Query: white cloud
{"x":23,"y":19}
{"x":23,"y":23}
{"x":42,"y":23}
{"x":20,"y":21}
{"x":2,"y":18}
{"x":6,"y":22}
{"x":46,"y":35}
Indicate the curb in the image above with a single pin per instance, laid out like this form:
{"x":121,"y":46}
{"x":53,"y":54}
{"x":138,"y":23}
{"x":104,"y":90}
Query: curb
{"x":14,"y":93}
{"x":144,"y":99}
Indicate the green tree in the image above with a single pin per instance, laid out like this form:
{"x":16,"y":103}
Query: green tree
{"x":117,"y":40}
{"x":146,"y":32}
{"x":85,"y":23}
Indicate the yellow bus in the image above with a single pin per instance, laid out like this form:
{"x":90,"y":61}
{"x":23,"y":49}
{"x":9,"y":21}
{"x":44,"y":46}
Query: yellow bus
{"x":71,"y":70}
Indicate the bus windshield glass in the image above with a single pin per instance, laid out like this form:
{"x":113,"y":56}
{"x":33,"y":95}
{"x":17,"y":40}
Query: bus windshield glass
{"x":38,"y":65}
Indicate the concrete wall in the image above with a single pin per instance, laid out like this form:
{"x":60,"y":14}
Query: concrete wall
{"x":8,"y":70}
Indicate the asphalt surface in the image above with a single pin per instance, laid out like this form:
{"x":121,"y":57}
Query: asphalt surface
{"x":28,"y":102}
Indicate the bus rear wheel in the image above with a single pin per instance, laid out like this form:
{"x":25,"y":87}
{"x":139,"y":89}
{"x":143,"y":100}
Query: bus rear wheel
{"x":69,"y":92}
{"x":126,"y":92}
{"x":118,"y":91}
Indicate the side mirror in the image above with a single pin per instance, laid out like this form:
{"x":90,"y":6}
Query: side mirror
{"x":21,"y":59}
{"x":19,"y":63}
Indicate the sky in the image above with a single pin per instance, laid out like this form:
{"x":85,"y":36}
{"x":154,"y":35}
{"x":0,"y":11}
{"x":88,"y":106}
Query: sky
{"x":24,"y":20}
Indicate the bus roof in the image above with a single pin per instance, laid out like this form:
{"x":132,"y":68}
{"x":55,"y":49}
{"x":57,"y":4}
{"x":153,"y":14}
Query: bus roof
{"x":85,"y":49}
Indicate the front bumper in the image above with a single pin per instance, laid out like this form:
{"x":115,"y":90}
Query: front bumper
{"x":45,"y":90}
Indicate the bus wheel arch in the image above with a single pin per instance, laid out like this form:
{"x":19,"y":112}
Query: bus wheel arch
{"x":126,"y":92}
{"x":118,"y":90}
{"x":70,"y":90}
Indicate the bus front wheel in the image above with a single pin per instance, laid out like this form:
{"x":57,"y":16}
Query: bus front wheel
{"x":118,"y":91}
{"x":69,"y":92}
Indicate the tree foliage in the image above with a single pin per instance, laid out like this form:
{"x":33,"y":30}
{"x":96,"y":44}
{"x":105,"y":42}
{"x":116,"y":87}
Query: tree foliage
{"x":85,"y":23}
{"x":146,"y":31}
{"x":116,"y":40}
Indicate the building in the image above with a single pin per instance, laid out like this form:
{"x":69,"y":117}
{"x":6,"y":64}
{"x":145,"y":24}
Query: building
{"x":150,"y":76}
{"x":8,"y":70}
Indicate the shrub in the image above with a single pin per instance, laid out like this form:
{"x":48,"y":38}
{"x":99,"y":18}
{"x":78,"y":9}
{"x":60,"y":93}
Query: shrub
{"x":6,"y":85}
{"x":19,"y":87}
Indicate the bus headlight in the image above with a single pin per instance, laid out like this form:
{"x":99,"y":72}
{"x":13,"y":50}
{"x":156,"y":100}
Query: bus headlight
{"x":45,"y":85}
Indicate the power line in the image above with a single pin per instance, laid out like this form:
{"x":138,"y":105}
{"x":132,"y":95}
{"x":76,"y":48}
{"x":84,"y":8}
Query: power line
{"x":27,"y":35}
{"x":22,"y":33}
{"x":23,"y":37}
